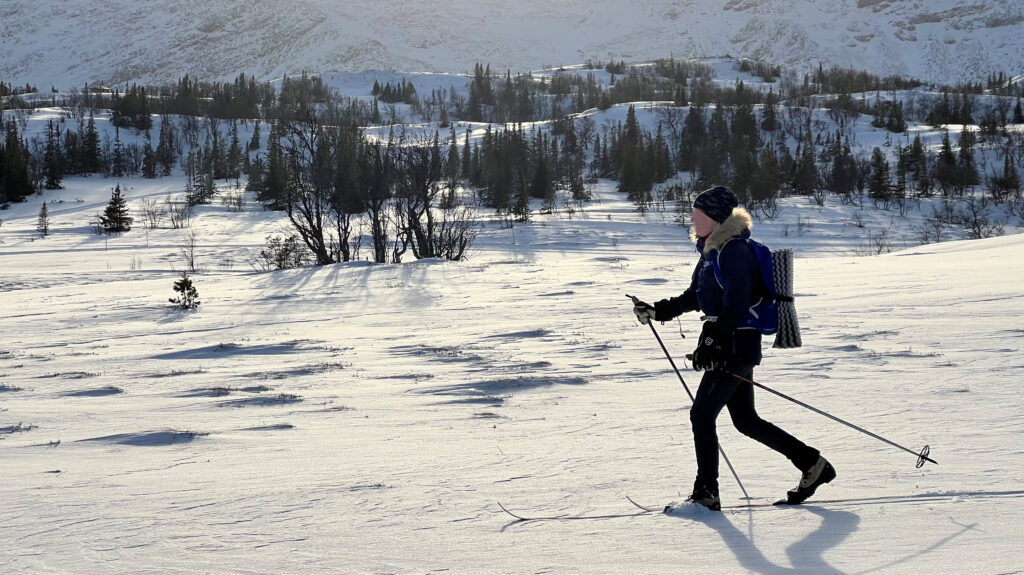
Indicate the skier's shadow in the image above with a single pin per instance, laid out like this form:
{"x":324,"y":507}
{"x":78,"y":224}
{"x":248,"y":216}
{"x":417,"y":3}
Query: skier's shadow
{"x":805,"y":555}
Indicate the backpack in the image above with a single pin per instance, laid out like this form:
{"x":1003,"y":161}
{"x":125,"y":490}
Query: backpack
{"x":773,"y":312}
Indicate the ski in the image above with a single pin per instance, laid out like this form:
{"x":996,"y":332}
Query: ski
{"x":667,"y":508}
{"x":569,"y":517}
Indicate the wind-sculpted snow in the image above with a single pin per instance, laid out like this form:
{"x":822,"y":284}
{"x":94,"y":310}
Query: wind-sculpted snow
{"x":76,"y":41}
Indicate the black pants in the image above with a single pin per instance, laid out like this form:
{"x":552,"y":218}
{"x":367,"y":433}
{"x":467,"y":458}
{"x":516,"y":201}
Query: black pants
{"x":719,"y":389}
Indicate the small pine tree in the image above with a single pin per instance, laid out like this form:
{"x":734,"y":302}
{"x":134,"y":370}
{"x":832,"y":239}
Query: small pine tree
{"x":43,"y":223}
{"x":188,"y":295}
{"x":115,"y":218}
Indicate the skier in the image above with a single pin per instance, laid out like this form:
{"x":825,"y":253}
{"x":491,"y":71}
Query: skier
{"x":725,"y":348}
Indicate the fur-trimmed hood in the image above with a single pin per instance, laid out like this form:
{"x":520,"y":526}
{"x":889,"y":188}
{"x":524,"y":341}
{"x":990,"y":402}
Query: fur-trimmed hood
{"x":732,"y":226}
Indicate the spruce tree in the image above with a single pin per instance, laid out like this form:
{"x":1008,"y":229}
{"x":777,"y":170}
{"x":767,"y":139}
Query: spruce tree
{"x":878,"y":183}
{"x":453,"y":164}
{"x":43,"y":223}
{"x":165,"y":151}
{"x":52,"y":161}
{"x":118,"y":166}
{"x":692,"y":142}
{"x":254,"y":142}
{"x":766,"y":181}
{"x":255,"y":181}
{"x":91,"y":147}
{"x":234,"y":155}
{"x":218,"y":157}
{"x":149,"y":163}
{"x":946,"y":172}
{"x":968,"y":169}
{"x":805,"y":173}
{"x":188,"y":295}
{"x":1010,"y":178}
{"x":895,"y":122}
{"x":275,"y":177}
{"x":769,"y":114}
{"x":72,"y":151}
{"x":115,"y":218}
{"x":917,"y":162}
{"x":843,"y":177}
{"x":467,"y":158}
{"x":1008,"y":182}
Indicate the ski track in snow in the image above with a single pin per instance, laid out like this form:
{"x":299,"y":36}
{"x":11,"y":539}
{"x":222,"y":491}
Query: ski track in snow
{"x":366,"y":418}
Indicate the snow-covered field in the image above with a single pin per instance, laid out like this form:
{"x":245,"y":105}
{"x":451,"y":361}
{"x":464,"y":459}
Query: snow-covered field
{"x":364,"y":418}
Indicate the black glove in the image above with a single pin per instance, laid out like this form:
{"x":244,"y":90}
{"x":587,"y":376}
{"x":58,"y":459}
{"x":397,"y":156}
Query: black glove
{"x":644,"y":312}
{"x":713,"y":348}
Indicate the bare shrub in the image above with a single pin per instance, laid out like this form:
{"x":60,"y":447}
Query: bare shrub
{"x":188,"y":251}
{"x":974,"y":217}
{"x":234,"y":200}
{"x":153,"y":212}
{"x":179,"y":213}
{"x":280,"y":254}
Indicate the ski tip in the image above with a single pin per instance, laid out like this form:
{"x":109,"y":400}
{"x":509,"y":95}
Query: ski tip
{"x":517,"y":517}
{"x":784,"y":502}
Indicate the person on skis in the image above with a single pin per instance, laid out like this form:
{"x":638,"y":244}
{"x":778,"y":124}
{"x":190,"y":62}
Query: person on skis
{"x":726,"y":347}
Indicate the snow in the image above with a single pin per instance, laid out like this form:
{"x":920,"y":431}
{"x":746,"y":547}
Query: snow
{"x":154,"y":41}
{"x":367,"y":418}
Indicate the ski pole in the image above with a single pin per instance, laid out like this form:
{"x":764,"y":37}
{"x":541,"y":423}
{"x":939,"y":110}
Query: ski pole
{"x":922,"y":456}
{"x":682,"y":381}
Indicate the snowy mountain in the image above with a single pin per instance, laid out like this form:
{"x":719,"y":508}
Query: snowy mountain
{"x":77,"y":41}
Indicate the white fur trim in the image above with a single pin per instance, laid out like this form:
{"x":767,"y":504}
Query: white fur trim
{"x":737,"y":222}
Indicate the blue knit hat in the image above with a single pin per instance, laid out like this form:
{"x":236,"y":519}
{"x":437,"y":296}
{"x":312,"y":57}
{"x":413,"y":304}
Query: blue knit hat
{"x":717,"y":203}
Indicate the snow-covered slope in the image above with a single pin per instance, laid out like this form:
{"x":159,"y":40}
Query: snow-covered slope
{"x":361,"y":418}
{"x":75,"y":41}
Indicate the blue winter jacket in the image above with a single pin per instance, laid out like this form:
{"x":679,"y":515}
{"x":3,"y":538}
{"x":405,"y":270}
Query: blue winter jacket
{"x":729,"y":301}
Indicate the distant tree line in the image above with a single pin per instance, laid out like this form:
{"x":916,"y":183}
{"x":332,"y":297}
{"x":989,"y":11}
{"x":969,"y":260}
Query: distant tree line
{"x":8,"y":90}
{"x":762,"y":143}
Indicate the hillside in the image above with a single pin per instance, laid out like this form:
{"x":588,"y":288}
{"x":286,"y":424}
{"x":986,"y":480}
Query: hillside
{"x":77,"y":41}
{"x":367,"y":418}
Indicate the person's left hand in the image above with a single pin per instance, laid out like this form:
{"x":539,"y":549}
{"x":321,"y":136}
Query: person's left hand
{"x":714,"y":347}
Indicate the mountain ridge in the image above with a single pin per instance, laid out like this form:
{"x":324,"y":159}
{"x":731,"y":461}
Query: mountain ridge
{"x":154,"y":41}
